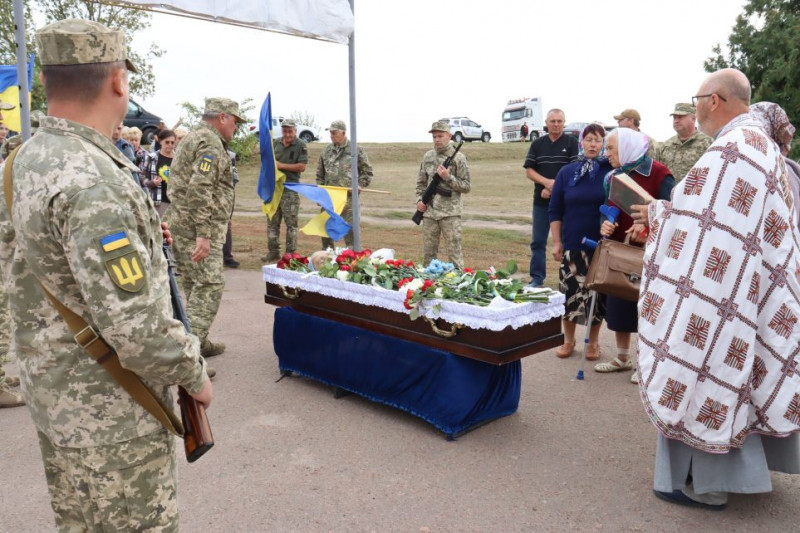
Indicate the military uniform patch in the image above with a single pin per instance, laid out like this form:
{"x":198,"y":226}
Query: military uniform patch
{"x":126,"y":271}
{"x":114,"y":241}
{"x":205,"y":163}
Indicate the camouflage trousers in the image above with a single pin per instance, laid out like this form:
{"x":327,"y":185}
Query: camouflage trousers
{"x":287,"y":210}
{"x":5,"y":332}
{"x":349,"y":239}
{"x":129,"y":486}
{"x":449,"y":229}
{"x":202,"y":282}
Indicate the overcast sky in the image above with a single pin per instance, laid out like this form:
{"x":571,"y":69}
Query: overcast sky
{"x":417,"y":61}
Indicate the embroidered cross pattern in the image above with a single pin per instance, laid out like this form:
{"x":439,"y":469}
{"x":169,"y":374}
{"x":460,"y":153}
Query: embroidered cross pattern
{"x":727,"y":309}
{"x":772,"y":181}
{"x":774,"y":228}
{"x":661,"y":351}
{"x":654,"y":227}
{"x":783,"y":322}
{"x":742,"y":196}
{"x":695,"y":180}
{"x":717,"y":264}
{"x":712,"y":414}
{"x":751,"y":244}
{"x":730,"y":152}
{"x":759,"y":372}
{"x":793,"y":412}
{"x":778,"y":276}
{"x":756,"y":140}
{"x":752,"y":293}
{"x":706,"y":219}
{"x":676,"y":244}
{"x":696,"y":331}
{"x":672,"y":395}
{"x":684,"y":287}
{"x":789,"y":367}
{"x":737,"y":353}
{"x":651,"y":306}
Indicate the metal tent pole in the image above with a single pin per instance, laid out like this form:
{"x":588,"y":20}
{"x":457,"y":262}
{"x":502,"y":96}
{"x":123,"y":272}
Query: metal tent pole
{"x":351,"y":47}
{"x":22,"y":69}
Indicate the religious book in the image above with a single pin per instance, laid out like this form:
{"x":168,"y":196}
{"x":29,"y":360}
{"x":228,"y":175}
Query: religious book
{"x":625,"y":192}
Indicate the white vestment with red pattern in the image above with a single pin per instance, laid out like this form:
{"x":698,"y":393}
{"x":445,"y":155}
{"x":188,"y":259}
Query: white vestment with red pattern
{"x":720,"y":299}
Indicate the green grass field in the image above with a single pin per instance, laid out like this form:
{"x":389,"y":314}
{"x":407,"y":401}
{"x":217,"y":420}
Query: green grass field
{"x":497,"y":212}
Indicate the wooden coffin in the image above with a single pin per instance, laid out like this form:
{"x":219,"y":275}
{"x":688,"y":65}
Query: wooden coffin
{"x":496,"y":347}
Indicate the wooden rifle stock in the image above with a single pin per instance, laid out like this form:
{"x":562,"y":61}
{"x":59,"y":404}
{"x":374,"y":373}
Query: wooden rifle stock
{"x":430,"y":192}
{"x":198,"y":438}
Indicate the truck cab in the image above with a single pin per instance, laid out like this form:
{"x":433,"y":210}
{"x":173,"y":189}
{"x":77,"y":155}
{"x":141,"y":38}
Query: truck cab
{"x":519,"y":113}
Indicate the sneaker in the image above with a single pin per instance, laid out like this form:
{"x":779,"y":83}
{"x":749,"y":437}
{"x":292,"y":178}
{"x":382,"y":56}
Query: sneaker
{"x":231,"y":263}
{"x":10,"y":399}
{"x":12,"y":381}
{"x":635,"y":377}
{"x":210,"y":349}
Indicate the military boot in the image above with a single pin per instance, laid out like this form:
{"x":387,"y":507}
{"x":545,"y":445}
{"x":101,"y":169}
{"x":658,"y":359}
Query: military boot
{"x":210,"y":372}
{"x":12,"y":381}
{"x":210,"y":349}
{"x":10,"y":399}
{"x":271,"y":258}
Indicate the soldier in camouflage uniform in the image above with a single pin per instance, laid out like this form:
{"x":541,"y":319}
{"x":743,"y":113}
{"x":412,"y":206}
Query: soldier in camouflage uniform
{"x":81,"y":229}
{"x":443,"y":215}
{"x":291,"y":156}
{"x":201,"y":190}
{"x":333,"y":168}
{"x":8,"y":398}
{"x":681,"y":152}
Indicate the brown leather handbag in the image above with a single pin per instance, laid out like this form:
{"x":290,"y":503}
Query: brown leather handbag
{"x":616,"y":269}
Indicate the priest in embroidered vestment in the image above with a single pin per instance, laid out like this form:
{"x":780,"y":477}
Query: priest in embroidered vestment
{"x":718,"y":312}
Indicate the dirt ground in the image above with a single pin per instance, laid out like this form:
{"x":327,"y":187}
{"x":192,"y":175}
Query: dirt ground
{"x":577,"y":456}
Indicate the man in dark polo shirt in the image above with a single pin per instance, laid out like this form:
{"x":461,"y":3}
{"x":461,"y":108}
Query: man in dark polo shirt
{"x":291,"y":156}
{"x":545,"y":158}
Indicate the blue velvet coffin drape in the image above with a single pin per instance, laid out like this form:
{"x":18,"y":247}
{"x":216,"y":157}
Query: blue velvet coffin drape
{"x":451,"y":392}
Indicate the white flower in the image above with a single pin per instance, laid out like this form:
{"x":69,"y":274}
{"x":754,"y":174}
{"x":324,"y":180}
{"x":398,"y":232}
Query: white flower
{"x":413,"y":285}
{"x":343,"y":275}
{"x":438,"y":292}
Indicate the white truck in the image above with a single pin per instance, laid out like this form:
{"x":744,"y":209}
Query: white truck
{"x":519,"y":113}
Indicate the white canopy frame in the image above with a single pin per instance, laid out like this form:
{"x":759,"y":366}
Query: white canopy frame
{"x":328,"y":20}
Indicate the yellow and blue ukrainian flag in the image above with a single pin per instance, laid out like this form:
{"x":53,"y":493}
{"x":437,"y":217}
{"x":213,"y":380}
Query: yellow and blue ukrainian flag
{"x":271,"y":183}
{"x":9,"y":93}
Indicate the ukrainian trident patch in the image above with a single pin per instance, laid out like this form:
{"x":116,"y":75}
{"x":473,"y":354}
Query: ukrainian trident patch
{"x":205,"y":163}
{"x":126,"y":271}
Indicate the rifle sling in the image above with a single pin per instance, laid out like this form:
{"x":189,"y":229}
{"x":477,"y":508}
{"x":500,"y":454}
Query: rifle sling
{"x":88,"y":339}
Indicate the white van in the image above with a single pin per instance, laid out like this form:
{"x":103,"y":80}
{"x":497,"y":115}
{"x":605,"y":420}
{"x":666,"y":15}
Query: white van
{"x":519,"y":113}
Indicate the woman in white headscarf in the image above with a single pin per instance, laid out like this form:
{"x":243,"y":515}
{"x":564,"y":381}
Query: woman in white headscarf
{"x":627,"y":152}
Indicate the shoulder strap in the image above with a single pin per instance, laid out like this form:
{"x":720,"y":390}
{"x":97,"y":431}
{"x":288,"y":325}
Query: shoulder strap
{"x":88,"y":339}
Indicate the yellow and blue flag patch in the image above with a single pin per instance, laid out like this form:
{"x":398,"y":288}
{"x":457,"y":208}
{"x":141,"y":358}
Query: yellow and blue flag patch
{"x":205,"y":163}
{"x":115,"y":241}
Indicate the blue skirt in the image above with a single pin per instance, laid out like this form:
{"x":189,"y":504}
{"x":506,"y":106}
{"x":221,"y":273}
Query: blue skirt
{"x":621,"y":315}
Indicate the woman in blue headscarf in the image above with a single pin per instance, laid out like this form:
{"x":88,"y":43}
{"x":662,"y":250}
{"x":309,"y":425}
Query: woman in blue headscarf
{"x":575,"y":202}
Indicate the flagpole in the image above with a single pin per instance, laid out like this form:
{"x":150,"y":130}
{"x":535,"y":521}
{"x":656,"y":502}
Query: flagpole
{"x":351,"y":47}
{"x":22,"y":70}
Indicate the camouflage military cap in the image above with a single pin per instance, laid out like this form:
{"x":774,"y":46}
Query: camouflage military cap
{"x":223,"y":105}
{"x":683,"y":109}
{"x":628,"y":113}
{"x":337,"y":125}
{"x":440,"y":125}
{"x":80,"y":42}
{"x":288,"y":123}
{"x":5,"y":106}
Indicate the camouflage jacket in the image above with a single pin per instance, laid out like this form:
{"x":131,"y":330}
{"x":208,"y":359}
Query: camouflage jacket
{"x":679,"y":156}
{"x":333,"y":167}
{"x":201,"y":185}
{"x":458,"y":184}
{"x":84,"y":230}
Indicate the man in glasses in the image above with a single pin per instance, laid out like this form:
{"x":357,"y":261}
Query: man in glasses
{"x":719,"y":338}
{"x":201,"y":190}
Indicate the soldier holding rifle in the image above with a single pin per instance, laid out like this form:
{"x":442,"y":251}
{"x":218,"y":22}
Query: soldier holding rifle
{"x":442,"y":217}
{"x":81,"y":230}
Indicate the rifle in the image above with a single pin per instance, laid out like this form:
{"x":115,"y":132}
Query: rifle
{"x":430,"y":192}
{"x":198,"y":438}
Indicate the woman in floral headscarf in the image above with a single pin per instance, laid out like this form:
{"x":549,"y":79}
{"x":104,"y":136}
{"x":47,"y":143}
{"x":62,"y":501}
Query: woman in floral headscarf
{"x":627,"y":153}
{"x":575,"y":201}
{"x":777,"y":125}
